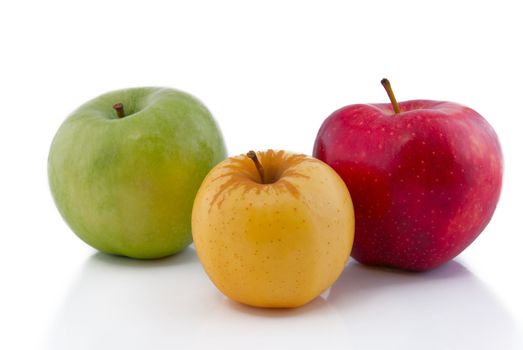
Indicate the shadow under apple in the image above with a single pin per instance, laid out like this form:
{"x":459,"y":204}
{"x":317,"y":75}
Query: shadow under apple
{"x":170,"y":303}
{"x":446,"y":308}
{"x":233,"y":326}
{"x":118,"y":303}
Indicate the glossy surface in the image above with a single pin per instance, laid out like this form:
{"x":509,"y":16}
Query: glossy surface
{"x":126,"y":186}
{"x":278,"y":244}
{"x":424,"y":182}
{"x":116,"y":303}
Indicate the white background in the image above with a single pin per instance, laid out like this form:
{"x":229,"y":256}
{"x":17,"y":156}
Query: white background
{"x":270,"y":72}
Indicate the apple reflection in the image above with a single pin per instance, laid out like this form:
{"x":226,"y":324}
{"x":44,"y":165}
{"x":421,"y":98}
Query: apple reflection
{"x":445,"y":308}
{"x":119,"y":303}
{"x":316,"y":325}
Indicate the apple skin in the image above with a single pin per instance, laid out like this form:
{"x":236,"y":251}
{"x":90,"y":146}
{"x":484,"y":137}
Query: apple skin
{"x":279,"y":244}
{"x":126,"y":185}
{"x":424,"y":182}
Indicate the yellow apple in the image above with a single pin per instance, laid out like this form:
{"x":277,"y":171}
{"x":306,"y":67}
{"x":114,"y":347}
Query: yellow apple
{"x":273,"y":229}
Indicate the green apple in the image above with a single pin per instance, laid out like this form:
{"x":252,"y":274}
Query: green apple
{"x":124,"y":169}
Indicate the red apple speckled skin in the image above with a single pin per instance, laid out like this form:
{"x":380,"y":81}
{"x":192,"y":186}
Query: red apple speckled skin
{"x":424,"y":182}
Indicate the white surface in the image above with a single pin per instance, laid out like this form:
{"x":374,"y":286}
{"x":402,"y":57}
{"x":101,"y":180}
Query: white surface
{"x":270,"y":73}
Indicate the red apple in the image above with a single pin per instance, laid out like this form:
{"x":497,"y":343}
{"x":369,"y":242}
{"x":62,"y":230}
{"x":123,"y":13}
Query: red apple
{"x":425,"y":178}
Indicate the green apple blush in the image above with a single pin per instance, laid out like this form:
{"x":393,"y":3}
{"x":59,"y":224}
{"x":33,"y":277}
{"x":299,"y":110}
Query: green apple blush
{"x":124,"y":169}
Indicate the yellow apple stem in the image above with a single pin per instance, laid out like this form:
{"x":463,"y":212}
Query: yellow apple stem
{"x":259,"y":167}
{"x":386,"y":84}
{"x":118,"y":107}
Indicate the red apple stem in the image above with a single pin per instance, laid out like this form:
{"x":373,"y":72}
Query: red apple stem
{"x":259,"y":167}
{"x":118,"y":107}
{"x":386,"y":84}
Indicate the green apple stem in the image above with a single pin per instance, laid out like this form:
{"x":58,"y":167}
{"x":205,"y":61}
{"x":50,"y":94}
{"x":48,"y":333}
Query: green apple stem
{"x":118,"y":107}
{"x":259,"y":167}
{"x":386,"y":84}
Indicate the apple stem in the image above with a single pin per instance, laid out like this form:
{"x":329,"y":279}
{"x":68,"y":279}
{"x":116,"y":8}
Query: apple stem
{"x":118,"y":107}
{"x":386,"y":84}
{"x":259,"y":167}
